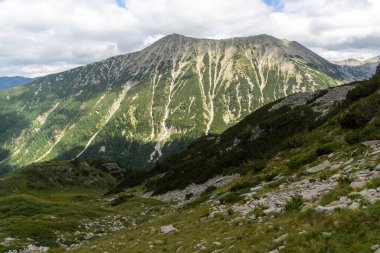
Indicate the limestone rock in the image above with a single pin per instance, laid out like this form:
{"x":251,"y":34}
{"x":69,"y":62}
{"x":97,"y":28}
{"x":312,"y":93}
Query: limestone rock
{"x":319,"y":167}
{"x":168,"y":229}
{"x":372,"y":143}
{"x":357,"y":185}
{"x":354,"y":206}
{"x":281,"y":238}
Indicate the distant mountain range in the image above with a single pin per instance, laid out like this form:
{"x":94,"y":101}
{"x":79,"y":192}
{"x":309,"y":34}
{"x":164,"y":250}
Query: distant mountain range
{"x":7,"y":82}
{"x":360,"y":68}
{"x":140,"y":107}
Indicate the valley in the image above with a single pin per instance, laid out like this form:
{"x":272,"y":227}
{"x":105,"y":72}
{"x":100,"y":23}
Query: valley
{"x":301,"y":174}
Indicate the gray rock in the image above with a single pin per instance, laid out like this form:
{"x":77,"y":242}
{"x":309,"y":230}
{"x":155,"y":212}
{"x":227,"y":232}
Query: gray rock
{"x":319,"y":167}
{"x":326,"y":234}
{"x":322,"y":209}
{"x":354,"y":206}
{"x":274,"y":251}
{"x":281,"y":238}
{"x":372,"y":143}
{"x":358,"y":185}
{"x":375,"y":247}
{"x":349,"y":161}
{"x":168,"y":229}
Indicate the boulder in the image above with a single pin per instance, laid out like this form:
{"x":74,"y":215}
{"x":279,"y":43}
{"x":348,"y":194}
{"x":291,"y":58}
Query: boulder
{"x":281,"y":238}
{"x":354,"y":206}
{"x":372,"y":143}
{"x":319,"y":167}
{"x":358,"y":185}
{"x":168,"y":229}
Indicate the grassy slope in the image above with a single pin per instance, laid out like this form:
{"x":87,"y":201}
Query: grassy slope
{"x":39,"y":214}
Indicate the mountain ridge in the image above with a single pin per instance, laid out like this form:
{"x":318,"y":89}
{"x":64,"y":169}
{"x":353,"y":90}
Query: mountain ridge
{"x":7,"y":82}
{"x":140,"y":107}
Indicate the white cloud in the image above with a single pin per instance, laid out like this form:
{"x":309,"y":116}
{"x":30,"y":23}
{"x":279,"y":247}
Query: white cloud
{"x":44,"y":36}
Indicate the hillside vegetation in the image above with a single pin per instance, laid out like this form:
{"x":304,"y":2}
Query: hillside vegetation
{"x":298,"y":175}
{"x":141,"y":107}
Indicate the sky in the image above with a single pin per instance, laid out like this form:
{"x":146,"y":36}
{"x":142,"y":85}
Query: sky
{"x":39,"y":37}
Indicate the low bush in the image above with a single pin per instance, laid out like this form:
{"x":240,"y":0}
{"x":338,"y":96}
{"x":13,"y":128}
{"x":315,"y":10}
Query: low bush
{"x":243,"y":185}
{"x":302,"y":159}
{"x":361,"y":113}
{"x":121,"y":199}
{"x":324,"y":150}
{"x":363,"y":90}
{"x":231,"y":197}
{"x":295,"y":141}
{"x":295,"y":203}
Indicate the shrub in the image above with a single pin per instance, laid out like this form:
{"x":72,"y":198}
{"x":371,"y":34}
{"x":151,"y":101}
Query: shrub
{"x":345,"y":180}
{"x":352,"y":137}
{"x":242,"y":185}
{"x":302,"y":159}
{"x":373,"y":184}
{"x":231,"y":197}
{"x":259,"y":210}
{"x":363,"y":90}
{"x":294,"y":203}
{"x":121,"y":199}
{"x":295,"y":141}
{"x":269,"y":177}
{"x":361,"y":113}
{"x":259,"y":165}
{"x":210,"y":188}
{"x":324,"y":150}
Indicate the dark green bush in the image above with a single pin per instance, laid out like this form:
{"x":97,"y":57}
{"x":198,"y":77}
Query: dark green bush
{"x":295,"y":141}
{"x":231,"y":197}
{"x":362,"y":90}
{"x":352,"y":137}
{"x":121,"y":199}
{"x":324,"y":150}
{"x":242,"y":185}
{"x":269,"y":177}
{"x":302,"y":159}
{"x":361,"y":113}
{"x":295,"y":203}
{"x":258,"y":165}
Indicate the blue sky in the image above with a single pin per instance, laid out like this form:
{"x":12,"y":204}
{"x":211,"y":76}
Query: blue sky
{"x":121,"y":3}
{"x":38,"y":37}
{"x":276,"y":4}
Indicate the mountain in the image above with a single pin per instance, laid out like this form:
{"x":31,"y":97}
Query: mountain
{"x":141,"y":107}
{"x":7,"y":82}
{"x":301,"y":174}
{"x":360,"y":68}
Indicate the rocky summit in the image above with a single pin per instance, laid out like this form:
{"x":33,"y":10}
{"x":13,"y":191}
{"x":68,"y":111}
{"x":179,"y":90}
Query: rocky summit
{"x":141,"y":107}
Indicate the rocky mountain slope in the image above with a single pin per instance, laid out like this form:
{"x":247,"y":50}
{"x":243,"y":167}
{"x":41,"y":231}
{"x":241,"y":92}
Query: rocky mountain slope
{"x":7,"y":82}
{"x":301,"y":174}
{"x":140,"y":107}
{"x":361,"y":68}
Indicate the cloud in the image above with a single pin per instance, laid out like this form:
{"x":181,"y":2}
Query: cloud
{"x":38,"y":37}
